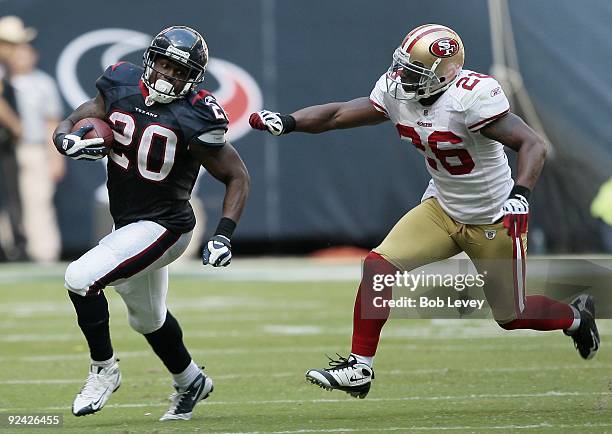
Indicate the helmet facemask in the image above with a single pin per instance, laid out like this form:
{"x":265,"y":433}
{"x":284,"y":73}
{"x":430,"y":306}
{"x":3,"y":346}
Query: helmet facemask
{"x":164,"y":90}
{"x":411,"y":81}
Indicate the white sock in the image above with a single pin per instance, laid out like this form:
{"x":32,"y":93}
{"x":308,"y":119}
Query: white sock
{"x":104,"y":363}
{"x":185,"y":378}
{"x":576,"y":322}
{"x":364,"y":359}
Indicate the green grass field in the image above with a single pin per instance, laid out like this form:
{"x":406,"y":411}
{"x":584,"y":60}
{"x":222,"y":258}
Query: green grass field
{"x":257,"y":327}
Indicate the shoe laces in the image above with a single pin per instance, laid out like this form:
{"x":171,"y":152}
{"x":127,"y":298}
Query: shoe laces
{"x":340,"y":364}
{"x":175,"y":399}
{"x":90,"y":389}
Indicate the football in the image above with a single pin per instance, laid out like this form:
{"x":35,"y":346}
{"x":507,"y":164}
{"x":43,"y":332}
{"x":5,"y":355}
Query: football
{"x":100,"y":129}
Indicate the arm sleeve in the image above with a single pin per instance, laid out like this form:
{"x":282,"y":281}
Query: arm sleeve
{"x":488,"y":104}
{"x":207,"y":122}
{"x":116,"y":79}
{"x":377,"y":95}
{"x":214,"y":138}
{"x":106,"y":82}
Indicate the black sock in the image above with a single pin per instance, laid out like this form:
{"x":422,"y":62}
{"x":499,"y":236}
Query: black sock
{"x":92,"y":317}
{"x":167,"y":342}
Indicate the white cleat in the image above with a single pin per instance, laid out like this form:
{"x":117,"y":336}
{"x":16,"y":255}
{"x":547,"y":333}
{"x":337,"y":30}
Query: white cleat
{"x":183,"y":401}
{"x":344,"y":374}
{"x":100,"y":384}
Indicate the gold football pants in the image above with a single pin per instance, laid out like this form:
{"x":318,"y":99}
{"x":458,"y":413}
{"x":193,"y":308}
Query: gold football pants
{"x":427,"y":234}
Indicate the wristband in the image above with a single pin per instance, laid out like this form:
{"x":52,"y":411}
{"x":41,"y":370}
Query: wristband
{"x":288,"y":123}
{"x":225,"y":227}
{"x":520,"y":190}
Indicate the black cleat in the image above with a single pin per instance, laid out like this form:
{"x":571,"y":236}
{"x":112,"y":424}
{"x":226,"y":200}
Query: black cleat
{"x":586,"y":338}
{"x":344,"y":374}
{"x":183,"y":401}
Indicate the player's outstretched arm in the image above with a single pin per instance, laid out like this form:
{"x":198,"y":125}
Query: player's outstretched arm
{"x":319,"y":118}
{"x":224,"y":164}
{"x":512,"y":132}
{"x":71,"y":144}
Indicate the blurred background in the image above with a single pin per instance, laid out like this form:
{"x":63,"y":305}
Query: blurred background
{"x":309,"y":192}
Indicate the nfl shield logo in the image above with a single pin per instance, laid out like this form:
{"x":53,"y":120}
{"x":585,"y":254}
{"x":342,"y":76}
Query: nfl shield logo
{"x":490,"y":234}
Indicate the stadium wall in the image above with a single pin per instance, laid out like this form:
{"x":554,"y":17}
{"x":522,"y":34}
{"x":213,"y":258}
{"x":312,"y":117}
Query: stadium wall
{"x":347,"y":186}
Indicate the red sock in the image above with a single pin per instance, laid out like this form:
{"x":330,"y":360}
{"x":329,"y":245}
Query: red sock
{"x":542,"y":313}
{"x":368,"y":323}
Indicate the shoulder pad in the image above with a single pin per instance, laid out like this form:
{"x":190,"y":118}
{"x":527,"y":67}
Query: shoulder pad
{"x":472,"y":87}
{"x":119,"y":74}
{"x":207,"y":109}
{"x":202,"y":113}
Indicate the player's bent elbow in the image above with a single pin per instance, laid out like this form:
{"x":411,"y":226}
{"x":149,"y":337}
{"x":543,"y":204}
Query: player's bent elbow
{"x":538,"y":146}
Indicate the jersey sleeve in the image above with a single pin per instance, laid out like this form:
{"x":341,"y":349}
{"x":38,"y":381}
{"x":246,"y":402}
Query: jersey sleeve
{"x":207,"y":123}
{"x":487,"y":104}
{"x":377,"y":95}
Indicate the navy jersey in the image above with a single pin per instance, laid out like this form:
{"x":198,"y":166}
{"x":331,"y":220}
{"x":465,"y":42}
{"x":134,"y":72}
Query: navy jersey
{"x":150,"y":170}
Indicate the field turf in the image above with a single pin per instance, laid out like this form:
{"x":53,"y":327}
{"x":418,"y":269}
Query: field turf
{"x":259,"y":325}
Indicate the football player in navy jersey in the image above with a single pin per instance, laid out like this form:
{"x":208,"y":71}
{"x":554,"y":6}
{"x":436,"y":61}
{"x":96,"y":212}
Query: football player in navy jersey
{"x":164,"y":130}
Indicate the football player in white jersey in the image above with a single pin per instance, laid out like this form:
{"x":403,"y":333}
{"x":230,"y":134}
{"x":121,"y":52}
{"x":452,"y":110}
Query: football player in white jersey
{"x":460,"y":121}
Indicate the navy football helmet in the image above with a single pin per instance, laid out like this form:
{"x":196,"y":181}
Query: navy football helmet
{"x":183,"y":46}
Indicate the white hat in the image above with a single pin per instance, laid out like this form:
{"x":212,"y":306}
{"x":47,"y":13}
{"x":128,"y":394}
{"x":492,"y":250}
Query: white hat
{"x":12,"y":30}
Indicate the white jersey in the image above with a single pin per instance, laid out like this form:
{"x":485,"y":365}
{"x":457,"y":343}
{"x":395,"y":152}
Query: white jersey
{"x":470,"y":174}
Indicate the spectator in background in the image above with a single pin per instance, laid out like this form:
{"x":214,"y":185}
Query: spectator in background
{"x":12,"y":239}
{"x":40,"y":166}
{"x":601,"y":208}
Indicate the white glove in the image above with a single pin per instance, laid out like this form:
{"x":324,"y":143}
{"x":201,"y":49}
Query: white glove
{"x":73,"y":145}
{"x":516,"y":215}
{"x":217,"y":252}
{"x":275,"y":123}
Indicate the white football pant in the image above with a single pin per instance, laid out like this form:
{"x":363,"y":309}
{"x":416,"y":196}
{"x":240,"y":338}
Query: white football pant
{"x":134,"y":259}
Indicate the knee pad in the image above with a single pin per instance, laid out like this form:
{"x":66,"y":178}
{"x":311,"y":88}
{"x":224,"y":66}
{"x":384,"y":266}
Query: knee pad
{"x":145,"y":322}
{"x":75,"y":280}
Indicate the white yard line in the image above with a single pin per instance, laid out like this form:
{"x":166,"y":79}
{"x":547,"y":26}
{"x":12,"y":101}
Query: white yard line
{"x":433,"y":428}
{"x":394,"y":372}
{"x":245,"y":270}
{"x":276,"y":350}
{"x":549,"y":394}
